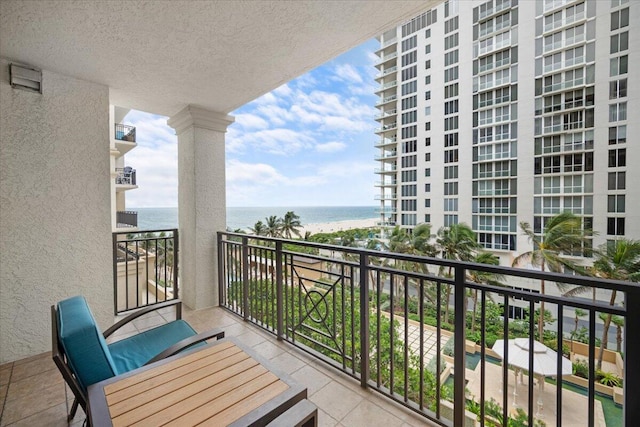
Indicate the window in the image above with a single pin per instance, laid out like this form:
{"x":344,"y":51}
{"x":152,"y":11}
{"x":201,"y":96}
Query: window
{"x":574,"y":35}
{"x":618,"y":112}
{"x":574,"y":56}
{"x":485,"y":99}
{"x":573,"y":163}
{"x":451,"y":107}
{"x":409,"y":117}
{"x":618,"y":89}
{"x":409,"y":58}
{"x":451,"y":25}
{"x":409,"y":87}
{"x":552,"y":62}
{"x":451,"y":58}
{"x":553,"y":41}
{"x":409,"y":161}
{"x":427,"y":80}
{"x":450,"y":220}
{"x":427,"y":218}
{"x":427,"y":188}
{"x":551,"y":185}
{"x":427,"y":203}
{"x":620,"y":19}
{"x":409,"y":205}
{"x":485,"y":117}
{"x":619,"y":42}
{"x":408,"y":176}
{"x":502,"y":132}
{"x":502,"y":95}
{"x":616,"y":203}
{"x":486,"y":135}
{"x":409,"y":102}
{"x":427,"y":157}
{"x":427,"y":64}
{"x":409,"y":43}
{"x":451,"y":123}
{"x":427,"y":49}
{"x":615,"y":226}
{"x":451,"y":90}
{"x":617,"y":135}
{"x":427,"y":33}
{"x":551,"y":164}
{"x":427,"y":126}
{"x":451,"y":172}
{"x":409,"y":132}
{"x":451,"y":41}
{"x":450,"y":188}
{"x":619,"y":65}
{"x":573,"y":184}
{"x":618,"y":157}
{"x":427,"y":142}
{"x":451,"y":140}
{"x":450,"y":74}
{"x":409,"y":146}
{"x":451,"y":156}
{"x":617,"y":180}
{"x":427,"y":95}
{"x":502,"y":114}
{"x":427,"y":172}
{"x":485,"y":64}
{"x":409,"y":73}
{"x":502,"y":58}
{"x":450,"y":205}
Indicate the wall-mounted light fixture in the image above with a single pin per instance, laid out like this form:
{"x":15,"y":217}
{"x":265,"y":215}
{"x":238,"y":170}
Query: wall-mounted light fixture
{"x":25,"y":77}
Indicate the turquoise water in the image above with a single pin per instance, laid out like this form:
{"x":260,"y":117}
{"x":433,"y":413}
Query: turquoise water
{"x":159,"y":218}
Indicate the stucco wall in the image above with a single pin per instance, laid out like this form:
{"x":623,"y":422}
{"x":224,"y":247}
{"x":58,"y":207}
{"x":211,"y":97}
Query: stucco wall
{"x":55,"y":216}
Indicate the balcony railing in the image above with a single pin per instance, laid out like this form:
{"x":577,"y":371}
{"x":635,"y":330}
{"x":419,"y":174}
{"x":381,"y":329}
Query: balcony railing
{"x":145,"y":268}
{"x":127,"y":219}
{"x":126,"y":176}
{"x":125,"y":133}
{"x":409,"y":327}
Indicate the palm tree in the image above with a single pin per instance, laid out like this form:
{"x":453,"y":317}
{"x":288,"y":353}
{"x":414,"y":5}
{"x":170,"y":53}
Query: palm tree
{"x":562,"y":234}
{"x":482,"y":277}
{"x":290,"y":224}
{"x":619,"y":322}
{"x":258,"y":229}
{"x":620,"y":261}
{"x":457,"y":242}
{"x":272,"y":226}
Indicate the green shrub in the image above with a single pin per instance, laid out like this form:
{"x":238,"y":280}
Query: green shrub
{"x":581,"y":369}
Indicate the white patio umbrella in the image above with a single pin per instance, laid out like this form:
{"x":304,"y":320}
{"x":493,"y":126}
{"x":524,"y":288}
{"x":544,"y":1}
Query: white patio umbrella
{"x":545,"y":362}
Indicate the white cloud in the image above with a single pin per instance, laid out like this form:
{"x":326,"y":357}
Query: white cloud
{"x":348,"y":73}
{"x":251,"y":121}
{"x":331,"y":147}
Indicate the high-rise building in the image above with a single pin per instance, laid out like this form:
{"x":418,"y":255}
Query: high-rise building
{"x":502,"y":111}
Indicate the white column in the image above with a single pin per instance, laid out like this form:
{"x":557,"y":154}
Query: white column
{"x":201,"y":201}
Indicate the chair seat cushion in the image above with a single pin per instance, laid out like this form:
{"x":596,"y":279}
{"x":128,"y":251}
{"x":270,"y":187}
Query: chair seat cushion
{"x":133,"y":352}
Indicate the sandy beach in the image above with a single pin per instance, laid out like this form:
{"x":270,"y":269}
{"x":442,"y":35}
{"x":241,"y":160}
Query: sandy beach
{"x":330,"y":227}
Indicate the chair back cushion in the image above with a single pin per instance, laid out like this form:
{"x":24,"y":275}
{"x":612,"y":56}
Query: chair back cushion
{"x":83,"y":343}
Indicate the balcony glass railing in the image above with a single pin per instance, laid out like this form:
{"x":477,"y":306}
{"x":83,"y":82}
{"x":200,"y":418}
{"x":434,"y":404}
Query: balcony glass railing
{"x":126,"y":219}
{"x":430,"y":333}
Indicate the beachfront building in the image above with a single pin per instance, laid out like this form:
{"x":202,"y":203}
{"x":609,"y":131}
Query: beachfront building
{"x":123,"y":176}
{"x":501,"y":111}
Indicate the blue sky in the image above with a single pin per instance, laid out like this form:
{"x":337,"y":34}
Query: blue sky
{"x":310,"y":142}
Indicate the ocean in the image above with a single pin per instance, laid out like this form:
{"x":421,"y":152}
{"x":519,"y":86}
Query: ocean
{"x":160,"y":218}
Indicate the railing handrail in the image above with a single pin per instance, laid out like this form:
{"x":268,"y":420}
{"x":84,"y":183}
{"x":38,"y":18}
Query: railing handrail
{"x":610,"y":284}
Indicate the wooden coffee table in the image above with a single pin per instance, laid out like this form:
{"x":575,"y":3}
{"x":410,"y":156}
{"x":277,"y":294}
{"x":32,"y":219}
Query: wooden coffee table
{"x":220,"y":384}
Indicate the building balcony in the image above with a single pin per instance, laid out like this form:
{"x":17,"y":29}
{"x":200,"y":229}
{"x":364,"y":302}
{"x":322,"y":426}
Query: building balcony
{"x":386,"y":142}
{"x":386,"y":128}
{"x":385,"y":197}
{"x":125,"y":133}
{"x":387,"y":57}
{"x":391,"y":183}
{"x":126,"y":177}
{"x":386,"y":72}
{"x":391,"y":169}
{"x":386,"y":100}
{"x":387,"y":156}
{"x":387,"y":85}
{"x":126,"y":219}
{"x":385,"y":114}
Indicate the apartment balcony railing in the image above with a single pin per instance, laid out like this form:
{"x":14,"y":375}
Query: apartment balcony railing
{"x":386,"y":71}
{"x":127,"y":219}
{"x":145,"y":268}
{"x":386,"y":128}
{"x":387,"y":85}
{"x":401,"y":325}
{"x":386,"y":100}
{"x":126,"y":176}
{"x":125,"y":133}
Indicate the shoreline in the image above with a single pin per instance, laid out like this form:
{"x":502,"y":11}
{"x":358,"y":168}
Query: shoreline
{"x":331,"y":227}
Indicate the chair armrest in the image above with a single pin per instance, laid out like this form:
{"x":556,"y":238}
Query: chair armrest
{"x":142,"y":312}
{"x":188,"y":342}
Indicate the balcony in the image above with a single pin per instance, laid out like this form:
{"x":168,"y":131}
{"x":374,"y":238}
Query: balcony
{"x":387,"y":85}
{"x":387,"y":57}
{"x":125,"y":219}
{"x":385,"y":128}
{"x":386,"y":155}
{"x":391,"y":169}
{"x":344,"y":306}
{"x":125,"y":133}
{"x":387,"y":71}
{"x":126,"y":176}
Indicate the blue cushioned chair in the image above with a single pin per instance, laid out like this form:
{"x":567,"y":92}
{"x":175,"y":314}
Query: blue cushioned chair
{"x":83,"y":356}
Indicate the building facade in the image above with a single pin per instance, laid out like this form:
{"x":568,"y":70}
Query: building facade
{"x":496,"y":112}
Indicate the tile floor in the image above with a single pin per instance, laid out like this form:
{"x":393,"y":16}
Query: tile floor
{"x":32,"y":392}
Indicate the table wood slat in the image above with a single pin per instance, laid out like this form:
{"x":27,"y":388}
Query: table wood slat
{"x":211,"y":363}
{"x":225,"y":401}
{"x":162,"y":412}
{"x":217,"y":385}
{"x":247,"y":405}
{"x":195,"y":381}
{"x":186,"y":360}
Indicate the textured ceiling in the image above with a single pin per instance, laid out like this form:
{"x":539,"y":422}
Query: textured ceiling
{"x":159,"y":56}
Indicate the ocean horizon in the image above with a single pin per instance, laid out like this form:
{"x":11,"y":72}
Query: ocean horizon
{"x":245,"y":217}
